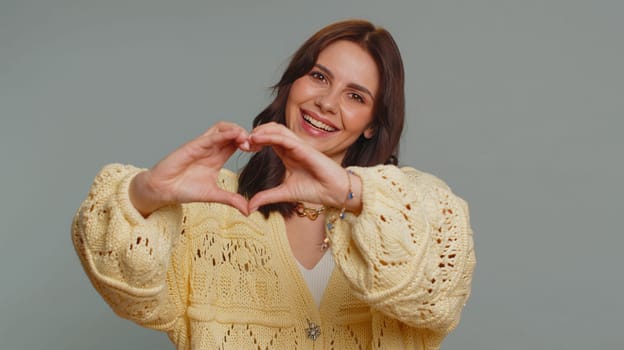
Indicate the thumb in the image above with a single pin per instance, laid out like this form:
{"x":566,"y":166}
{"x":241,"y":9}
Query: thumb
{"x":274,"y":195}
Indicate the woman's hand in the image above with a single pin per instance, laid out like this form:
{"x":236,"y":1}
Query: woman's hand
{"x":189,"y":174}
{"x":310,"y":177}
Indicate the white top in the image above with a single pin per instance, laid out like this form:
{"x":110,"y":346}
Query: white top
{"x":318,"y":277}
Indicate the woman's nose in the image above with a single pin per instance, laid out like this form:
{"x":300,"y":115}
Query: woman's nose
{"x":327,"y":102}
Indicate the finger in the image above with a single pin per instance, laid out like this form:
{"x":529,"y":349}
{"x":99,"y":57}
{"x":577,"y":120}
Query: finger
{"x":274,"y":139}
{"x":249,"y":146}
{"x":213,"y":149}
{"x":274,"y":195}
{"x":273,"y":128}
{"x":270,"y":125}
{"x":222,"y":126}
{"x":245,"y":146}
{"x":282,"y":136}
{"x":290,"y":150}
{"x":216,"y":142}
{"x":232,"y":199}
{"x":229,"y":131}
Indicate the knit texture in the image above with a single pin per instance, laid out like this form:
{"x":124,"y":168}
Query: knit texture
{"x":215,"y":279}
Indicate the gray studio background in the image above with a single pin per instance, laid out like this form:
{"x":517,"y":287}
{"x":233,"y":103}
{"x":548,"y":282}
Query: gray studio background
{"x":518,"y":105}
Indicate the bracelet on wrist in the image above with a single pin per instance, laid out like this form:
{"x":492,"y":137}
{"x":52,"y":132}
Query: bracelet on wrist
{"x":331,"y":222}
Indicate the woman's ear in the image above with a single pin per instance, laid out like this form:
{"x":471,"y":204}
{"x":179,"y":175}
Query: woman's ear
{"x":369,"y":132}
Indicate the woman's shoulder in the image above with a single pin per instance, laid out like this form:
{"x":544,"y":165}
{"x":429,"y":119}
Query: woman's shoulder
{"x":423,"y":178}
{"x":435,"y":191}
{"x":393,"y":174}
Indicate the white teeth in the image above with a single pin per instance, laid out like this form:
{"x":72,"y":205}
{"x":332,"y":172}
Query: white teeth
{"x":318,"y":124}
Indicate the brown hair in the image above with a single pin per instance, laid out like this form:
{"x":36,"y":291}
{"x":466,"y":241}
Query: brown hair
{"x":265,"y":169}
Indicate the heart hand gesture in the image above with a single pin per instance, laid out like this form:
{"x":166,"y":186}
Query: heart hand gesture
{"x":189,"y":174}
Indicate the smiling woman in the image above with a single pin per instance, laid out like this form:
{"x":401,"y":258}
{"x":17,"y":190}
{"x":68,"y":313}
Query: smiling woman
{"x":375,"y":255}
{"x":332,"y":106}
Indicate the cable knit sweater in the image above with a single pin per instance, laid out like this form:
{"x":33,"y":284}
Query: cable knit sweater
{"x":215,"y":279}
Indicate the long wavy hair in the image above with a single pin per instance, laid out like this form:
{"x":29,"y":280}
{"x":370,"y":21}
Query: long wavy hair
{"x":265,"y":169}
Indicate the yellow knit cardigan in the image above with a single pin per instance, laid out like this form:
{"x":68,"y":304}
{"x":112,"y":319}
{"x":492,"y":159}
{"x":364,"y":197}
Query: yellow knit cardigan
{"x":215,"y":279}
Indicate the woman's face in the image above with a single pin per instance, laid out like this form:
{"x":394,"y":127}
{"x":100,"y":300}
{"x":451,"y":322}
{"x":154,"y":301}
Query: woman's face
{"x":332,"y":105}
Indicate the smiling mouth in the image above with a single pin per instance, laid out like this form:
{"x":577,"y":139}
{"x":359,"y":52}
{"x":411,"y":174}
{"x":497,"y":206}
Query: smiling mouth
{"x":318,"y":124}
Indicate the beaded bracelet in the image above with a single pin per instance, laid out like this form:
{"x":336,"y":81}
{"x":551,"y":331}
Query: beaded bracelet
{"x":331,"y":222}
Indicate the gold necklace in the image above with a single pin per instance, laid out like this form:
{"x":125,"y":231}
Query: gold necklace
{"x":311,"y":213}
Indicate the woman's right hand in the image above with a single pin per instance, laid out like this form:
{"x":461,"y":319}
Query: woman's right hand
{"x":189,"y":174}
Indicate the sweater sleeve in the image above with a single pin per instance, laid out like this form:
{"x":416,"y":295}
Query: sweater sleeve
{"x":139,"y":265}
{"x":409,"y":253}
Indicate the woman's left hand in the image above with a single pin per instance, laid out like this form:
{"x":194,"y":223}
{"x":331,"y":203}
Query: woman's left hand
{"x":310,"y":176}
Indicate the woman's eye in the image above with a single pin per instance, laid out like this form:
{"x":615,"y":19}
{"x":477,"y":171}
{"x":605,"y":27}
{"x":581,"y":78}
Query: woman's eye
{"x":318,"y":76}
{"x":357,"y":97}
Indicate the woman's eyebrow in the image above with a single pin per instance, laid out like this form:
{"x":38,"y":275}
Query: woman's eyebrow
{"x":351,"y":85}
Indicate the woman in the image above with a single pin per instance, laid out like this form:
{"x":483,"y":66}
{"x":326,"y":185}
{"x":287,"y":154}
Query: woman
{"x":228,"y":262}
